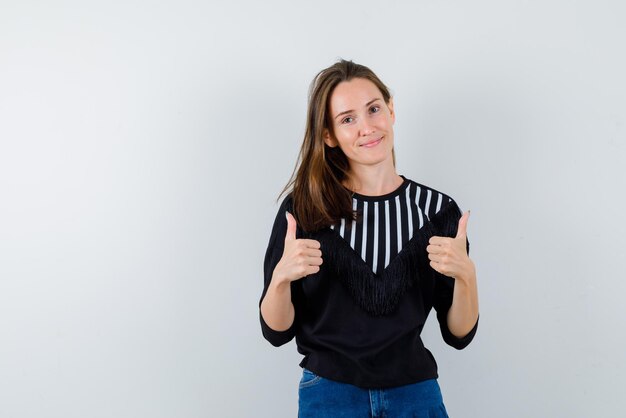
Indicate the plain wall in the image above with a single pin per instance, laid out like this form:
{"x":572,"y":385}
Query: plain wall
{"x":143,"y":145}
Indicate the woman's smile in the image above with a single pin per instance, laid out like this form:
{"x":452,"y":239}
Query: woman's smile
{"x":372,"y":143}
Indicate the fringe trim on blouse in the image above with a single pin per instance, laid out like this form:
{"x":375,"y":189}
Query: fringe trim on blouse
{"x":379,"y":294}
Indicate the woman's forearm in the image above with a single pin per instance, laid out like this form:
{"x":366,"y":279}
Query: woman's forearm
{"x":277,"y":309}
{"x":463,"y":313}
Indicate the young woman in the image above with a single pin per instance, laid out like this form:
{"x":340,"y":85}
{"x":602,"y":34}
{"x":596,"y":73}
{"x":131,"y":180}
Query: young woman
{"x":358,"y":256}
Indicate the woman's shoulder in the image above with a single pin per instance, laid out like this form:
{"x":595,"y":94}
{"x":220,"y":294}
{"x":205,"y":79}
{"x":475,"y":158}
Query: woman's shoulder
{"x":287,"y":202}
{"x":429,"y":195}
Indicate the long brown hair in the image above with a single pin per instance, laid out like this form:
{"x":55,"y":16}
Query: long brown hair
{"x":319,"y":197}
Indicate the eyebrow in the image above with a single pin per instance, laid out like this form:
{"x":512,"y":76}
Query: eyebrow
{"x":351,"y":110}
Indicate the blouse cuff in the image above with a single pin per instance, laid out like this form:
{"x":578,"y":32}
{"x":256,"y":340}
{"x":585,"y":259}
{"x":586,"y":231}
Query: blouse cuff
{"x":456,"y":342}
{"x":277,"y":338}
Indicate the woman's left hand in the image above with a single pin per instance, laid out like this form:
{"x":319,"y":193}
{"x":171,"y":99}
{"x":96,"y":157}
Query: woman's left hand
{"x":449,"y":256}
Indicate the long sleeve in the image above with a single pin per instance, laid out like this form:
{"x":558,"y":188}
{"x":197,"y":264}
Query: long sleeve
{"x":273,"y":255}
{"x":444,"y":292}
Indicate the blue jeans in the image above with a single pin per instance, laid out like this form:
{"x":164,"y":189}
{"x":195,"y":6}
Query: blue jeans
{"x":320,"y":397}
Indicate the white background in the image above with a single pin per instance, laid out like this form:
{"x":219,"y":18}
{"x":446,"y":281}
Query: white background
{"x":143,"y":145}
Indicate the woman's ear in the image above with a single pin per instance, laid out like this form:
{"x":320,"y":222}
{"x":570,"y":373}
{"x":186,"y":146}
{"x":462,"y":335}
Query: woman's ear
{"x":328,"y":139}
{"x":391,"y":112}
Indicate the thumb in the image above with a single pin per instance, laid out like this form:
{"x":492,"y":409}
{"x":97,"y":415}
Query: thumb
{"x":291,"y":227}
{"x":462,"y":230}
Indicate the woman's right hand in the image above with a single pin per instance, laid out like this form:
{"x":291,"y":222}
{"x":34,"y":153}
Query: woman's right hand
{"x":301,"y":257}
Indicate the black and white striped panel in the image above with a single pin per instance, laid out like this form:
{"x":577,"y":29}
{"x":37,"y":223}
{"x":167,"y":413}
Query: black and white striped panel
{"x":387,"y":225}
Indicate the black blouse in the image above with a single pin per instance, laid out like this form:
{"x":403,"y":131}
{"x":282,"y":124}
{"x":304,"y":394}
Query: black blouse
{"x":359,"y":319}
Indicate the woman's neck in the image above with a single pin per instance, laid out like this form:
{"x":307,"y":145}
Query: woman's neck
{"x":373,"y":181}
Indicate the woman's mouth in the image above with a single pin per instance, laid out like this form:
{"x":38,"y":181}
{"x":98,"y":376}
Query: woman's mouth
{"x":372,"y":143}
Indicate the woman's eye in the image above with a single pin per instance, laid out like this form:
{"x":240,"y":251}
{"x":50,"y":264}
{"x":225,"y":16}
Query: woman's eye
{"x":375,"y":109}
{"x":347,"y":120}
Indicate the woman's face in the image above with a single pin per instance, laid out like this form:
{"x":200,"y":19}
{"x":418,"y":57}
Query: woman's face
{"x":362,"y":123}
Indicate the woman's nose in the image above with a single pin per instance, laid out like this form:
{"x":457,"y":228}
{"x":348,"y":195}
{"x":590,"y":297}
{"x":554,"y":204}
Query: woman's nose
{"x":365,"y":128}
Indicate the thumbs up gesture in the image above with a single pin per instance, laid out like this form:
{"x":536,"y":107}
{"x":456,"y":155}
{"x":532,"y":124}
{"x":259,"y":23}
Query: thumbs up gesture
{"x":301,"y":257}
{"x":449,"y":256}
